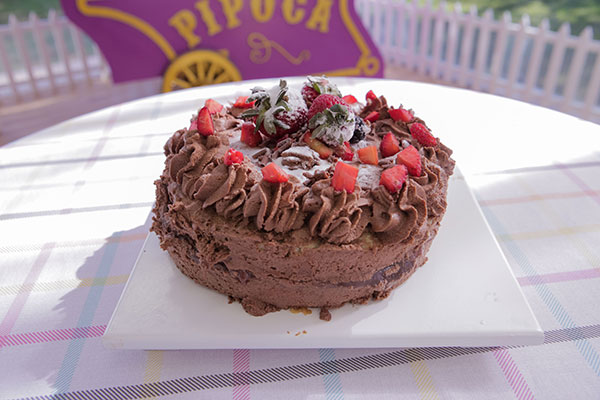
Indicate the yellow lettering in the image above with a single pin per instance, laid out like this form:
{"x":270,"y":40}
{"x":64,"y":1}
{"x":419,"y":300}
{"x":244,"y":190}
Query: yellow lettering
{"x":320,"y":16}
{"x":185,"y":23}
{"x":208,"y":17}
{"x":290,"y":13}
{"x":262,"y":10}
{"x":230,"y":9}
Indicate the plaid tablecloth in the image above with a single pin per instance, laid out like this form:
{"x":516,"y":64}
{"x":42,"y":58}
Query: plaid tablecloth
{"x":74,"y":210}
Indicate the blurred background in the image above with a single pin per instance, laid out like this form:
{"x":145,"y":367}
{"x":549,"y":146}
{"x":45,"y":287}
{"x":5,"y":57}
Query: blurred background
{"x":542,"y":52}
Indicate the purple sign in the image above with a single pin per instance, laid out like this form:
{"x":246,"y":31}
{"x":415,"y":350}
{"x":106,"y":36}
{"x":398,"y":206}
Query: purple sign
{"x":196,"y":42}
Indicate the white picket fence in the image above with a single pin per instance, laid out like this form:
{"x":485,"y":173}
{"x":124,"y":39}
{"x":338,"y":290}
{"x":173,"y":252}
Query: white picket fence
{"x":533,"y":64}
{"x":42,"y":58}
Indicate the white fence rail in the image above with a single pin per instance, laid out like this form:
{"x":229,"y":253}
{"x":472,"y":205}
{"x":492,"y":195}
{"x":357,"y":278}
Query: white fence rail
{"x":41,"y":58}
{"x":517,"y":60}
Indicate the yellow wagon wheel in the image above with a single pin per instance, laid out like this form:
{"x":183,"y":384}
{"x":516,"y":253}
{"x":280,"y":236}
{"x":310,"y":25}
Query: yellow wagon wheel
{"x":198,"y":68}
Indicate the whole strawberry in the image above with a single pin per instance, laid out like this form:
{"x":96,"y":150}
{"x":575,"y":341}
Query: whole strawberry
{"x":277,"y":112}
{"x":331,"y":120}
{"x":317,"y":86}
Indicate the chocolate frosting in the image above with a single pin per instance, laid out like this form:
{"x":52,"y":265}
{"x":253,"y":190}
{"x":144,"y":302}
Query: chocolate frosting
{"x":197,"y":179}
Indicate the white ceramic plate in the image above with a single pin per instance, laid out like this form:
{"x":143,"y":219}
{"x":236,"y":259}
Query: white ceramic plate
{"x":465,"y":295}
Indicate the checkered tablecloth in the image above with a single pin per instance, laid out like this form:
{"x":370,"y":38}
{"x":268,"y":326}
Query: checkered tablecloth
{"x":74,"y":204}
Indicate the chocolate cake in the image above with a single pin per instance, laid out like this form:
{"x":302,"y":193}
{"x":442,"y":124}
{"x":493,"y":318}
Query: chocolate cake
{"x":294,"y":198}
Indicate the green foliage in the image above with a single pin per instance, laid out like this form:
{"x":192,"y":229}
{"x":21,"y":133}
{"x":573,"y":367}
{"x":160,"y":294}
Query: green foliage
{"x":22,"y":8}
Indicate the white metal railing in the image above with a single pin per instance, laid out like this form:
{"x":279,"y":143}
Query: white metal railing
{"x":46,"y":57}
{"x":517,"y":60}
{"x":41,"y":58}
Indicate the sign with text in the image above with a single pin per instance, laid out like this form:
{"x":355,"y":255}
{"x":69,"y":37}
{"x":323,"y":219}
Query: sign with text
{"x":196,"y":42}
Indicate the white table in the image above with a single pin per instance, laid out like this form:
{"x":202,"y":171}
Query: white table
{"x":73,"y":216}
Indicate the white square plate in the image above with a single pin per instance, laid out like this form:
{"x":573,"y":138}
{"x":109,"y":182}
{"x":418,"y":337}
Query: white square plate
{"x":465,"y":295}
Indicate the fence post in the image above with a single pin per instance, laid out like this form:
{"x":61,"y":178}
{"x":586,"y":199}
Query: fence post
{"x":9,"y":70}
{"x":439,"y":18}
{"x":499,"y":54}
{"x":466,"y":49}
{"x":60,"y":45}
{"x":451,"y":42}
{"x":582,"y":45}
{"x":80,"y":49}
{"x":17,"y":31}
{"x":426,"y":12}
{"x":41,"y":46}
{"x":482,"y":47}
{"x":557,"y":58}
{"x":516,"y":61}
{"x":411,"y":48}
{"x":533,"y":69}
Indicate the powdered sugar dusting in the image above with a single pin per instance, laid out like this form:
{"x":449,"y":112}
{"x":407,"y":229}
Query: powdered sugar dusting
{"x":368,"y":176}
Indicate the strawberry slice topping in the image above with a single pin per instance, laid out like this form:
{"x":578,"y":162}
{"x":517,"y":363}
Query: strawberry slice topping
{"x":233,"y":157}
{"x":371,"y":95}
{"x":213,"y":106}
{"x":274,"y":174}
{"x":241,"y":102}
{"x":350,"y":99}
{"x":393,"y":178}
{"x":410,"y":158}
{"x":400,"y":114}
{"x":250,"y":135}
{"x":422,"y":134}
{"x":344,"y":177}
{"x":373,"y":116}
{"x":389,"y":145}
{"x":204,"y":122}
{"x":368,"y":155}
{"x":318,"y":146}
{"x":322,"y":103}
{"x":345,"y":152}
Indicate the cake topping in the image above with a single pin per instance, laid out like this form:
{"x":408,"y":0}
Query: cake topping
{"x":393,"y":178}
{"x":345,"y":152}
{"x":370,"y":96}
{"x":204,"y":122}
{"x":317,"y":86}
{"x":350,"y":99}
{"x":368,"y":155}
{"x":411,"y":158}
{"x":389,"y":145}
{"x":400,"y":114}
{"x":242,"y":102}
{"x":372,"y":116}
{"x":274,"y":174}
{"x":213,"y":106}
{"x":331,"y":120}
{"x":344,"y":177}
{"x":233,"y":157}
{"x":278,"y":111}
{"x":318,"y":146}
{"x":360,"y":130}
{"x":250,"y":135}
{"x":422,"y":134}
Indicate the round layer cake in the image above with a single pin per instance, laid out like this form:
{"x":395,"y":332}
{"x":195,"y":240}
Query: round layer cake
{"x":294,"y":198}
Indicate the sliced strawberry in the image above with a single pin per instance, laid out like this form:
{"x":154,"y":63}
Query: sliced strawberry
{"x":318,"y":146}
{"x":373,"y":116}
{"x":411,"y":158}
{"x":213,"y":106}
{"x":371,"y":95}
{"x":393,"y":178}
{"x":194,"y":125}
{"x":345,"y":151}
{"x":350,"y":99}
{"x":241,"y":102}
{"x":400,"y":114}
{"x":389,"y":145}
{"x":422,"y":134}
{"x":344,"y":177}
{"x":250,"y":135}
{"x":233,"y":157}
{"x":204,"y":122}
{"x":368,"y":155}
{"x":274,"y":174}
{"x":322,"y":103}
